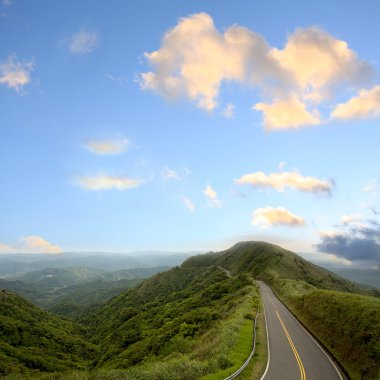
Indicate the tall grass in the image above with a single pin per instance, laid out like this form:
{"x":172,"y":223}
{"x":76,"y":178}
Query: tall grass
{"x":347,"y":324}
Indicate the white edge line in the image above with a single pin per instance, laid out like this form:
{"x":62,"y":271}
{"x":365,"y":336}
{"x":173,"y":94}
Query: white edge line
{"x":312,"y":338}
{"x":266,"y":327}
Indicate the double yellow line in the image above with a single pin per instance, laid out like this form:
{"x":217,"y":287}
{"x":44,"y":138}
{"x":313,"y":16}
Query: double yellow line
{"x":300,"y":365}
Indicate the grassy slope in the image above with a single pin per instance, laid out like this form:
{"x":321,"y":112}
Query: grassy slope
{"x":347,"y":323}
{"x":34,"y":340}
{"x":181,"y":324}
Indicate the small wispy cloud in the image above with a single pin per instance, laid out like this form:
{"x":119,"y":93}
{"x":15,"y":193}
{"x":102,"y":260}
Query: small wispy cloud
{"x":40,"y":245}
{"x":7,"y":3}
{"x":5,"y":248}
{"x":106,"y":182}
{"x":15,"y":74}
{"x":31,"y":244}
{"x":212,"y":197}
{"x":83,"y":42}
{"x":351,"y":219}
{"x":107,"y":147}
{"x":372,"y":187}
{"x":169,"y":174}
{"x":276,"y":216}
{"x":188,"y":203}
{"x":120,"y":79}
{"x":178,"y":175}
{"x":228,"y":111}
{"x":279,"y":181}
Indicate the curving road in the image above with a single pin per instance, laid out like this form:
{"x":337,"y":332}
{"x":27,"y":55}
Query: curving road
{"x":293,"y":353}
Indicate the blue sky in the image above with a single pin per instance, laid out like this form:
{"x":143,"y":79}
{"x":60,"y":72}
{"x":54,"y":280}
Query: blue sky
{"x":190,"y":125}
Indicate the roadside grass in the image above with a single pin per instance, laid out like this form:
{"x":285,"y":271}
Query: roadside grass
{"x":238,"y":353}
{"x":347,"y":324}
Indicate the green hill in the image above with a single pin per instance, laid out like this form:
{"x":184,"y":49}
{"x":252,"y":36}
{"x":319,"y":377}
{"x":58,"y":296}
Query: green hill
{"x":32,"y":340}
{"x":271,"y":263}
{"x":343,"y":315}
{"x":187,"y":321}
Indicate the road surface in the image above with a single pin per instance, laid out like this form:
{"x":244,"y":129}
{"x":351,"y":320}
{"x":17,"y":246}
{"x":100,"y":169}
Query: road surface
{"x":293,"y":353}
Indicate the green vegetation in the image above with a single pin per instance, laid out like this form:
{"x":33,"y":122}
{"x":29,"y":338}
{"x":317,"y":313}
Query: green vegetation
{"x":189,"y":317}
{"x":347,"y":324}
{"x":192,"y":322}
{"x":343,"y":315}
{"x":181,"y":324}
{"x":33,"y":340}
{"x":50,"y":288}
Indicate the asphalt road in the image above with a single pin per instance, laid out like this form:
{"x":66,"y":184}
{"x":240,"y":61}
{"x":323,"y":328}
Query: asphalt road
{"x":293,"y":353}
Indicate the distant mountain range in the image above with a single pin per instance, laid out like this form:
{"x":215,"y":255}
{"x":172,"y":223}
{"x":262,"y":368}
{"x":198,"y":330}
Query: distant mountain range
{"x":18,"y":264}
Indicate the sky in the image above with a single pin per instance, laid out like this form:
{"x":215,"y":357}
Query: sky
{"x":190,"y":125}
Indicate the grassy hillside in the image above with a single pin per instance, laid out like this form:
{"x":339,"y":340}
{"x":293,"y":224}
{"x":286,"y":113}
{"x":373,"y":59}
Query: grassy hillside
{"x":269,"y":262}
{"x":348,"y":324}
{"x":181,"y":324}
{"x":341,"y":314}
{"x":32,"y":340}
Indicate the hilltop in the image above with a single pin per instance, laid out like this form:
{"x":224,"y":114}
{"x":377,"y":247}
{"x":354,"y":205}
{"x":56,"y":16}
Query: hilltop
{"x":269,"y":262}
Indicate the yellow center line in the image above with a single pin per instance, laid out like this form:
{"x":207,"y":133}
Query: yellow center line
{"x":300,"y":365}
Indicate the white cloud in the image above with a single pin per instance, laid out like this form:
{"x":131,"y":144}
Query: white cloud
{"x":36,"y":244}
{"x":31,"y":244}
{"x":271,"y":216}
{"x":108,"y":147}
{"x":212,"y":197}
{"x":288,"y":113}
{"x":188,"y":203}
{"x":15,"y":74}
{"x":365,"y":105}
{"x":279,"y":181}
{"x":5,"y":248}
{"x":106,"y":182}
{"x":195,"y":58}
{"x":228,"y":111}
{"x":282,"y":165}
{"x":6,"y":2}
{"x":317,"y":61}
{"x":83,"y":42}
{"x":169,"y":174}
{"x":351,"y":219}
{"x":179,"y":175}
{"x":371,"y":187}
{"x":121,"y":79}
